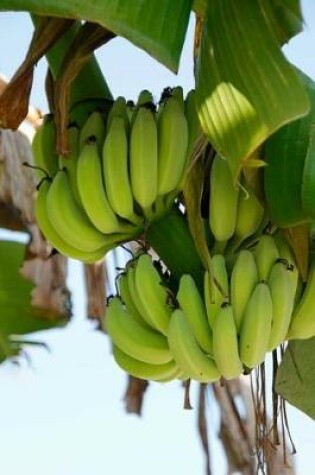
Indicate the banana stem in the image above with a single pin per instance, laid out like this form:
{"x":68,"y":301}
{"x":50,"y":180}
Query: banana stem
{"x":171,"y":239}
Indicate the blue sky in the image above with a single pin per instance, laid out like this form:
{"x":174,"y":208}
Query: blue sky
{"x":64,"y":414}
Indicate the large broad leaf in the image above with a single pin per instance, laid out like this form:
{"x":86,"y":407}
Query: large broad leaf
{"x":157,"y":26}
{"x":286,"y":153}
{"x":17,"y":315}
{"x":246,"y":89}
{"x":296,"y":376}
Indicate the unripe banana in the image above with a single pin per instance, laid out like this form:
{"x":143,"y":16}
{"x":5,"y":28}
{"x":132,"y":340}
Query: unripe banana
{"x":116,"y":173}
{"x":92,"y":192}
{"x":152,"y":293}
{"x":303,"y":322}
{"x":244,"y":278}
{"x":178,"y":94}
{"x":69,"y":220}
{"x":94,"y":127}
{"x":53,"y":237}
{"x":191,"y":302}
{"x":126,"y":297}
{"x":70,"y":161}
{"x":225,"y":344}
{"x":145,"y":99}
{"x":131,"y":279}
{"x":266,"y":253}
{"x":256,"y":326}
{"x":250,"y":213}
{"x":119,"y":109}
{"x":139,"y":369}
{"x":143,"y":158}
{"x":44,"y":148}
{"x":282,"y":303}
{"x":132,"y":338}
{"x":286,"y":253}
{"x":223,"y":200}
{"x":219,"y":287}
{"x":172,"y":149}
{"x":186,"y":351}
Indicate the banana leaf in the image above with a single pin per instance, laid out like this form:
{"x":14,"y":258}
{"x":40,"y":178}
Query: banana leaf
{"x":158,"y":26}
{"x":246,"y":89}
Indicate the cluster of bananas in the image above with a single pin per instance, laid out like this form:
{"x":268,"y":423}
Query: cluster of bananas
{"x":246,"y":310}
{"x":120,"y":174}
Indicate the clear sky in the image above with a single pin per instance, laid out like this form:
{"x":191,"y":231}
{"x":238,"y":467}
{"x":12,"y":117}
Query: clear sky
{"x":64,"y":414}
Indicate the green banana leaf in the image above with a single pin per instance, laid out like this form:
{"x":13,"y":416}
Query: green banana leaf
{"x":157,"y":26}
{"x":290,"y":164}
{"x":17,"y":315}
{"x":295,"y":380}
{"x":246,"y":89}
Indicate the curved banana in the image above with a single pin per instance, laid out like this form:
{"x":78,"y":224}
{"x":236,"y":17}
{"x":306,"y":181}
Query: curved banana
{"x":131,"y":279}
{"x":286,"y":253}
{"x":118,"y":109}
{"x":266,"y":253}
{"x":220,"y":288}
{"x":152,"y":294}
{"x":172,"y":146}
{"x":70,"y":161}
{"x":44,"y":148}
{"x":53,"y":237}
{"x":178,"y":94}
{"x":225,"y":344}
{"x":256,"y":326}
{"x":143,"y":153}
{"x":115,"y":169}
{"x":303,"y":322}
{"x":282,"y":303}
{"x":186,"y":351}
{"x":139,"y":369}
{"x":250,"y":213}
{"x":69,"y":220}
{"x":132,"y":338}
{"x":223,"y":200}
{"x":94,"y":126}
{"x":92,"y":192}
{"x":191,"y":302}
{"x":244,"y":278}
{"x":126,"y":297}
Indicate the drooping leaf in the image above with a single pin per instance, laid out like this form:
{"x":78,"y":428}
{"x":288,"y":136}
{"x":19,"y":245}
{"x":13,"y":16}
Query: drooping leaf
{"x":14,"y":101}
{"x":246,"y":89}
{"x":286,"y":152}
{"x":17,"y":315}
{"x":296,"y":375}
{"x":157,"y":26}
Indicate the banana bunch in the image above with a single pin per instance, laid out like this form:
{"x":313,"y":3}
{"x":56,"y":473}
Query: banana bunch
{"x":120,"y":173}
{"x":241,"y":315}
{"x":235,"y":213}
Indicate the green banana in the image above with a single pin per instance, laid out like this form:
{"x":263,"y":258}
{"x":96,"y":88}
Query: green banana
{"x":244,"y":277}
{"x":225,"y":344}
{"x":131,"y":279}
{"x":282,"y":303}
{"x":250,"y":213}
{"x":70,"y":161}
{"x":132,"y":338}
{"x":219,"y":287}
{"x":93,"y":194}
{"x":44,"y":148}
{"x":126,"y":297}
{"x":178,"y":94}
{"x":143,"y":150}
{"x":69,"y":220}
{"x":53,"y":237}
{"x":303,"y":321}
{"x":94,"y":127}
{"x":172,"y":145}
{"x":286,"y":253}
{"x":119,"y":109}
{"x":266,"y":253}
{"x":186,"y":351}
{"x":139,"y":369}
{"x":152,"y":294}
{"x":145,"y":99}
{"x":115,"y":169}
{"x":191,"y":303}
{"x":223,"y":200}
{"x":256,"y":326}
